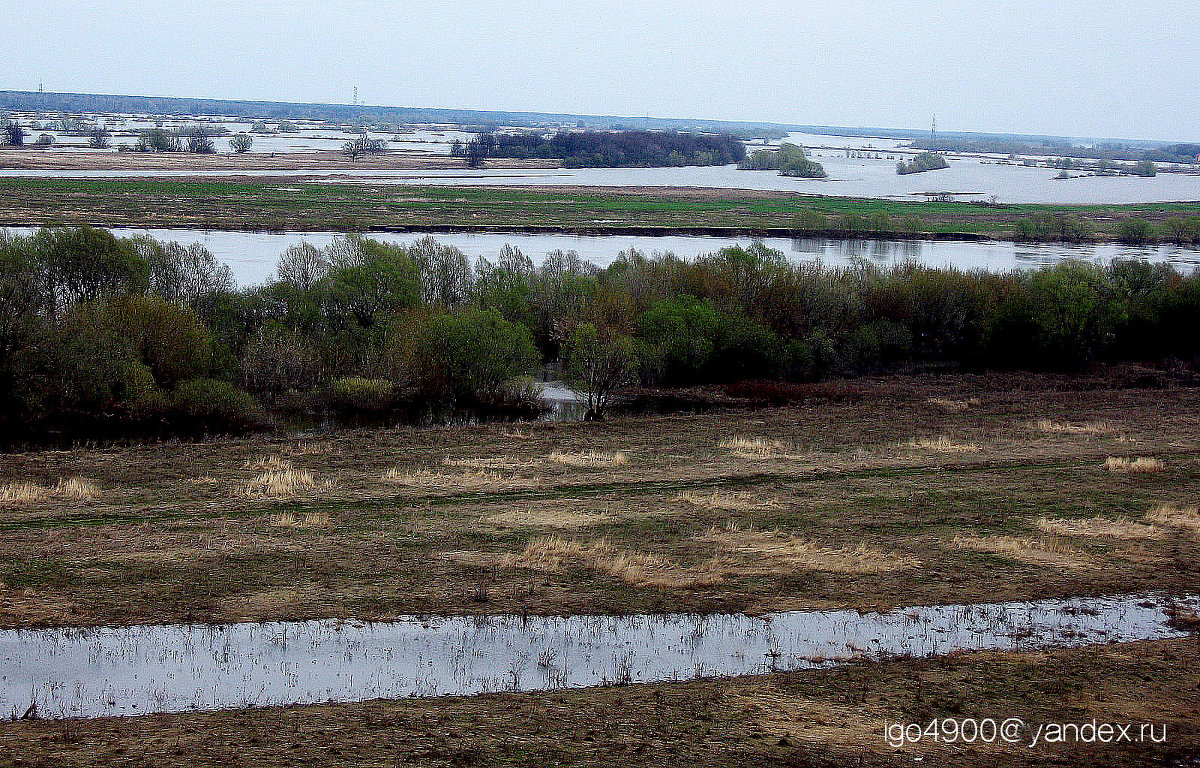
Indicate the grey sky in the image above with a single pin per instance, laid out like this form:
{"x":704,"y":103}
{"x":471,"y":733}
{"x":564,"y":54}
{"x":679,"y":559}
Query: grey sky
{"x":1080,"y":68}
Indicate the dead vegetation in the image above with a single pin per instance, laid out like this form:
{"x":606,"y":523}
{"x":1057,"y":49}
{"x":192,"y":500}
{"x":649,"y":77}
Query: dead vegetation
{"x":1139,"y":465}
{"x":66,"y":489}
{"x":730,"y":501}
{"x":554,"y":554}
{"x":954,"y":406}
{"x":766,"y":552}
{"x":940,"y":444}
{"x":1073,"y":428}
{"x":1096,"y":527}
{"x":754,"y":448}
{"x":307,"y":520}
{"x":1034,"y":550}
{"x":1175,"y":516}
{"x":449,"y":482}
{"x":547,"y":517}
{"x":590,"y":459}
{"x":278,"y":480}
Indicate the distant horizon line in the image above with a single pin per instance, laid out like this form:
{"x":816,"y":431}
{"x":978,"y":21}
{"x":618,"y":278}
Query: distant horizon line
{"x":864,"y":131}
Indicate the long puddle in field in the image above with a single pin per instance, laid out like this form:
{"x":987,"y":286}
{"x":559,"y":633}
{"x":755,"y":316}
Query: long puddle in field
{"x":171,"y":668}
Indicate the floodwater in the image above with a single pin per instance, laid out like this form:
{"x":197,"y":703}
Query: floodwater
{"x":173,"y":668}
{"x":967,"y":178}
{"x":253,"y":255}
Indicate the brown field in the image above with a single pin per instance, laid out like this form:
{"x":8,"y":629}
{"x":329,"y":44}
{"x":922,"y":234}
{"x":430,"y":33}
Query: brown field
{"x":868,"y":501}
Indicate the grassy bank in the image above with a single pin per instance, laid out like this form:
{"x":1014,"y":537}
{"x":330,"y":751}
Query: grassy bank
{"x":908,"y":492}
{"x":299,"y":205}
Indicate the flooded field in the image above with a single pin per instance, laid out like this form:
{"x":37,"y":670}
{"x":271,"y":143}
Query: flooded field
{"x":142,"y":669}
{"x":252,"y":255}
{"x":967,"y":178}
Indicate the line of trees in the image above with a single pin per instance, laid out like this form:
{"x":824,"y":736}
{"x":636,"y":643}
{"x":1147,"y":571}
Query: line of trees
{"x":104,"y":337}
{"x":607,"y":149}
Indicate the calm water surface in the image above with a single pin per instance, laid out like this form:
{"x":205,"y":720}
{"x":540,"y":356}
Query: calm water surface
{"x":171,"y":668}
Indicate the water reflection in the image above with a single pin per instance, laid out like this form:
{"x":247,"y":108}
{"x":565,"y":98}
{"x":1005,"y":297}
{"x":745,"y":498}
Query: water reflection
{"x":140,"y":669}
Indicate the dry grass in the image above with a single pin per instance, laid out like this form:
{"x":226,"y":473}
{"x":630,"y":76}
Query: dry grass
{"x":940,"y":444}
{"x":478,"y":480}
{"x":954,"y":406}
{"x":1034,"y":550}
{"x":23,"y":493}
{"x":1140,"y":465}
{"x":729,"y":501}
{"x":590,"y":459}
{"x":71,"y":489}
{"x":774,"y":552}
{"x":754,"y":447}
{"x":554,"y":554}
{"x":308,"y":520}
{"x":1174,"y":516}
{"x":282,"y":481}
{"x":1066,"y":427}
{"x":507,"y":463}
{"x":546,"y":518}
{"x":1096,"y":527}
{"x":268,"y":464}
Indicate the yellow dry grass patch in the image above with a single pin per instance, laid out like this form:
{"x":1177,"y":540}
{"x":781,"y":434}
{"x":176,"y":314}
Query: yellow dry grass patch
{"x":954,"y":406}
{"x":478,"y":480}
{"x":729,"y":501}
{"x":772,"y":552}
{"x":1140,"y":465}
{"x":1034,"y":550}
{"x":1096,"y":527}
{"x":280,"y":480}
{"x":506,"y":463}
{"x":308,"y":520}
{"x":1069,"y":428}
{"x":590,"y":459}
{"x":546,"y":518}
{"x":71,"y":488}
{"x":554,"y":554}
{"x":1175,"y":516}
{"x":755,"y":448}
{"x":268,"y":463}
{"x":940,"y":444}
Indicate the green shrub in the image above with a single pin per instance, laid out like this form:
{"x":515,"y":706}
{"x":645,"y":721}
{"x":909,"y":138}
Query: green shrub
{"x":358,"y":394}
{"x":212,"y":406}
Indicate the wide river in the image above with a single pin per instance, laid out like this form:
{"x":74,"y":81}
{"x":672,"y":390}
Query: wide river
{"x":253,"y":255}
{"x":857,"y":167}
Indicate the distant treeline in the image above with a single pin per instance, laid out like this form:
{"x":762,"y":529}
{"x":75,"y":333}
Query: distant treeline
{"x":103,"y":337}
{"x":31,"y":101}
{"x":1166,"y":153}
{"x":608,"y":149}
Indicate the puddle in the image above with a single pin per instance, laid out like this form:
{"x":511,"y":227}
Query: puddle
{"x":142,"y":669}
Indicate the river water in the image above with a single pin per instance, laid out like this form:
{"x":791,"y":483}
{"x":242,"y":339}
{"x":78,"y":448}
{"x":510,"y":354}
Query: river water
{"x":172,"y":668}
{"x":252,"y":255}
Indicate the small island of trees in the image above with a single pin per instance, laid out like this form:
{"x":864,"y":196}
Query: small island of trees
{"x":607,"y":149}
{"x":926,"y":161}
{"x":789,"y":160}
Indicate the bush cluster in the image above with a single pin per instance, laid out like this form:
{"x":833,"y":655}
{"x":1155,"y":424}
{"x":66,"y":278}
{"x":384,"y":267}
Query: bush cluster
{"x":104,"y":337}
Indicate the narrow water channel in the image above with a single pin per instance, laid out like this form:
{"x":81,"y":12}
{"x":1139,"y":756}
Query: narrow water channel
{"x":170,"y":668}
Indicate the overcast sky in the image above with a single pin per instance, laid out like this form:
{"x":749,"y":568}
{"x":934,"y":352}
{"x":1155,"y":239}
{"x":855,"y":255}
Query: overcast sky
{"x":1096,"y":68}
